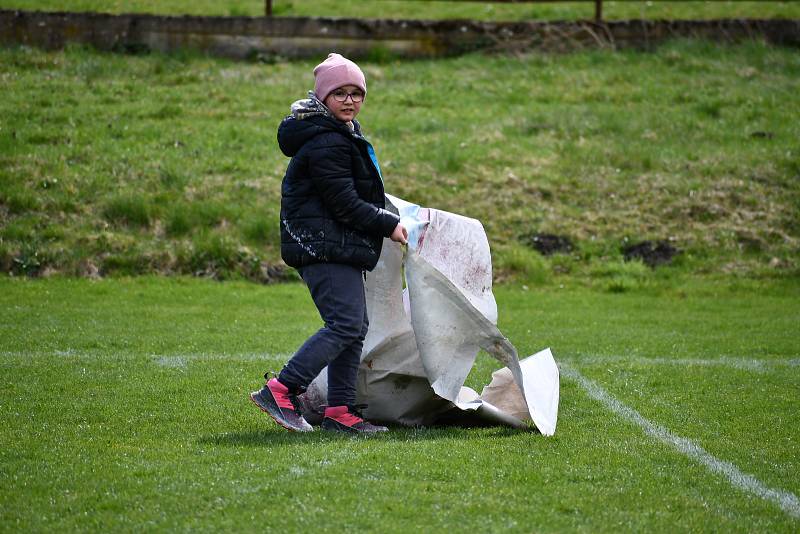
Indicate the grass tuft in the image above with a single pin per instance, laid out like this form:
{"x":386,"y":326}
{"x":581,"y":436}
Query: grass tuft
{"x":213,"y":255}
{"x":129,"y":209}
{"x":620,"y":276}
{"x":523,"y":263}
{"x":19,"y":202}
{"x":261,"y":230}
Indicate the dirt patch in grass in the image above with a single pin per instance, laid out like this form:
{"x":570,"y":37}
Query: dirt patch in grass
{"x":548,"y":244}
{"x":651,"y":253}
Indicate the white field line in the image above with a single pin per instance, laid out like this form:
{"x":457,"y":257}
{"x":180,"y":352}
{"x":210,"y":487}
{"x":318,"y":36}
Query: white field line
{"x":745,"y":364}
{"x":167,"y":360}
{"x":786,"y":500}
{"x":181,"y":360}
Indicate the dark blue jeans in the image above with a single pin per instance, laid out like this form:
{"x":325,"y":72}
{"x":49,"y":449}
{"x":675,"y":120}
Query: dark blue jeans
{"x":338,"y":293}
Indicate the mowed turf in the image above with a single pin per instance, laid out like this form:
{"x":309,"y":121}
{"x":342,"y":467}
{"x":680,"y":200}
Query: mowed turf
{"x":124,"y":407}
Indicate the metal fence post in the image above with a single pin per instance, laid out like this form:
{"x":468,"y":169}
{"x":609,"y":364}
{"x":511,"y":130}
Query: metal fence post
{"x":268,"y":7}
{"x":598,"y":11}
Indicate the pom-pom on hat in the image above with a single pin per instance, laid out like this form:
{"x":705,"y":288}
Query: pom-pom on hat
{"x":337,"y":71}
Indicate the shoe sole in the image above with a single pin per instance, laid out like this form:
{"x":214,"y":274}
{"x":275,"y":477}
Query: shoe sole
{"x":334,"y":426}
{"x":339,"y":428}
{"x":268,"y":412}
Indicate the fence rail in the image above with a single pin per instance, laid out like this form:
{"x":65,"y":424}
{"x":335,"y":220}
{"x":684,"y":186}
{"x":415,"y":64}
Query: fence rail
{"x":271,"y":37}
{"x":598,"y":4}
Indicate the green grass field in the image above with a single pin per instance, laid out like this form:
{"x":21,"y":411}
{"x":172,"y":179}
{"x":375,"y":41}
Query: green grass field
{"x":124,"y":407}
{"x":427,"y":9}
{"x":124,"y":400}
{"x":115,"y":164}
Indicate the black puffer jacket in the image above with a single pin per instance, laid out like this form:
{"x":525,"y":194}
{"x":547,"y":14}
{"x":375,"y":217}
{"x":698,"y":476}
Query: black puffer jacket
{"x":332,"y":197}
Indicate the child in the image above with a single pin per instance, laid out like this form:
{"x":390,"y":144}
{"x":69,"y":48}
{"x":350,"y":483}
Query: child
{"x":333,"y":223}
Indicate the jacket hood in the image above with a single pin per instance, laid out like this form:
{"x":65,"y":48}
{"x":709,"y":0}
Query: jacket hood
{"x":309,"y":117}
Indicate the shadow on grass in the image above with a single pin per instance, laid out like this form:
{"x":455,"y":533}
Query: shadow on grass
{"x":279,"y":437}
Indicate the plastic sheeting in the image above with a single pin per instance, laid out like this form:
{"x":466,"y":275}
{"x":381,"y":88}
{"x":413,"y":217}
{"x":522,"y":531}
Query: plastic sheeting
{"x":423,"y":340}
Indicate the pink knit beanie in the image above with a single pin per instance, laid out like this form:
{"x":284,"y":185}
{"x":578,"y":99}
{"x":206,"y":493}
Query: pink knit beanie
{"x":335,"y":72}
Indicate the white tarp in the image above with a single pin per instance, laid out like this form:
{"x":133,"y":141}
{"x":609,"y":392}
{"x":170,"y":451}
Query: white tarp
{"x":423,"y":342}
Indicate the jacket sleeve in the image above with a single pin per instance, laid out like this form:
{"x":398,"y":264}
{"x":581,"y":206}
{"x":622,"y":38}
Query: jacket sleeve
{"x":331,"y":173}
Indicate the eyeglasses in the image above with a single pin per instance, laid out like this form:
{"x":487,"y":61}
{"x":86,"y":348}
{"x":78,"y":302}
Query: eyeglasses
{"x":340,"y":95}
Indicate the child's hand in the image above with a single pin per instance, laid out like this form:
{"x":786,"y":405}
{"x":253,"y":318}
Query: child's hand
{"x":400,"y":234}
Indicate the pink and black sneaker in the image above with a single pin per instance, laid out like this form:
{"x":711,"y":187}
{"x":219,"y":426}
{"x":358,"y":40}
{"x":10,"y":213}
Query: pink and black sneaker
{"x":349,"y":420}
{"x":275,"y":399}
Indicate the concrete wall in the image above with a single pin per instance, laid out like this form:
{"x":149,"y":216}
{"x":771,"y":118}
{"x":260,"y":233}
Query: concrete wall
{"x":242,"y":37}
